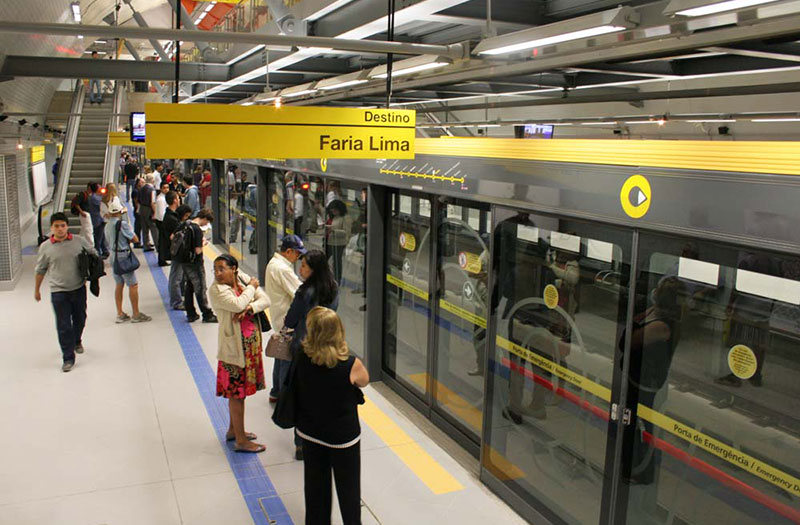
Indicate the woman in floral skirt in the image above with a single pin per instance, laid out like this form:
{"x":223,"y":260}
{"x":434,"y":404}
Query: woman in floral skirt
{"x":236,"y":298}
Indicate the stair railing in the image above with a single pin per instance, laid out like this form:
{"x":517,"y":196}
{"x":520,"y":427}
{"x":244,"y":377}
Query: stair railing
{"x":110,"y":163}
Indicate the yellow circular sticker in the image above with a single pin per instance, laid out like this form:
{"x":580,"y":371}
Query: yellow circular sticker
{"x":742,"y":361}
{"x":635,"y":196}
{"x":323,"y":163}
{"x":274,"y":198}
{"x":550,"y":296}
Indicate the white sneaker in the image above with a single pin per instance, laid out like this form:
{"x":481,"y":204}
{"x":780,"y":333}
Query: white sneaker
{"x":123,"y":318}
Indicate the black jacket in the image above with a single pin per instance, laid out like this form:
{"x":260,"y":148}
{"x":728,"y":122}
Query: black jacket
{"x":168,"y":227}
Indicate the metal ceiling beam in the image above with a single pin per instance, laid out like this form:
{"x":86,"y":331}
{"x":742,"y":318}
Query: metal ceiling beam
{"x":764,"y":52}
{"x":57,"y":67}
{"x":619,"y":51}
{"x":591,"y":98}
{"x":152,"y":33}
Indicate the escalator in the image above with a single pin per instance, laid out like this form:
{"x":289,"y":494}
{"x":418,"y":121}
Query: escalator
{"x":85,"y":162}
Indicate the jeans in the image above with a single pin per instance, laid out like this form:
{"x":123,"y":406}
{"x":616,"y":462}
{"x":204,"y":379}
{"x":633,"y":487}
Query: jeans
{"x":195,"y":274}
{"x":280,"y":371}
{"x":175,"y":280}
{"x":129,"y":187}
{"x":70,"y":310}
{"x":100,"y":239}
{"x":337,"y":252}
{"x":345,"y":464}
{"x":148,"y":226}
{"x":95,"y":92}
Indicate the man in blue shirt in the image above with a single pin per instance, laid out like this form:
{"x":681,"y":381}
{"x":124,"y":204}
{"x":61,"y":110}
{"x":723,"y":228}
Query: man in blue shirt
{"x":98,"y":224}
{"x":192,"y":195}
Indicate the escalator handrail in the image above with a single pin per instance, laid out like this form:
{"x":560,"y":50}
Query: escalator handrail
{"x":109,"y":163}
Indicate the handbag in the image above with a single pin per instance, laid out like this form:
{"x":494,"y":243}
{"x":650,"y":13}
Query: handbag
{"x":126,"y":263}
{"x":279,"y":345}
{"x":285,"y":414}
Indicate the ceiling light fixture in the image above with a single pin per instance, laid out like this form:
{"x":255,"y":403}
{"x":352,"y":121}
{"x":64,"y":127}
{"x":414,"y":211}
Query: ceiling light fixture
{"x":692,"y":8}
{"x":775,"y":120}
{"x":711,"y":121}
{"x":301,"y":89}
{"x":351,"y":79}
{"x":411,"y":66}
{"x":604,"y":123}
{"x":76,"y":11}
{"x":101,"y":41}
{"x":596,"y":24}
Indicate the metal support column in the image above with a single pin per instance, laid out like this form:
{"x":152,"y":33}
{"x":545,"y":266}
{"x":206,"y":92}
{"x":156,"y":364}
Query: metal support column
{"x":217,"y":187}
{"x":262,"y":215}
{"x":377,"y":214}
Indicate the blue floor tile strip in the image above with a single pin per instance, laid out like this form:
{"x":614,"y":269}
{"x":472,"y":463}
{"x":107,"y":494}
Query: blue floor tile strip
{"x":255,"y":485}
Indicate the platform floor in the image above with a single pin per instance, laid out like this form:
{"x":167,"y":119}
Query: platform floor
{"x":131,"y":434}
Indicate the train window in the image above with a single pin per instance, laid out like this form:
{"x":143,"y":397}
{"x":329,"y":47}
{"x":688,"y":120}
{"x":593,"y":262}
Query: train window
{"x":713,"y":386}
{"x":558,"y":303}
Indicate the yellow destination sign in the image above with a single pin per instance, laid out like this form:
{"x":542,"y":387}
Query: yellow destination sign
{"x":231,"y":131}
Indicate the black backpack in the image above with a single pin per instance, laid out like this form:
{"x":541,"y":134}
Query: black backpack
{"x":181,"y":246}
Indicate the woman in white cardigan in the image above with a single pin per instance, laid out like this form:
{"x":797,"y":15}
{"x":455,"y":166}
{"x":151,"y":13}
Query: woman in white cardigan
{"x":236,"y":298}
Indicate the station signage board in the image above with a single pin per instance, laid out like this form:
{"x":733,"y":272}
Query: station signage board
{"x":287,"y":132}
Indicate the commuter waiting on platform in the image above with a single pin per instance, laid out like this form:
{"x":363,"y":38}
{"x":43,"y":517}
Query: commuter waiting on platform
{"x":191,"y":195}
{"x":111,"y":195}
{"x":191,"y":260}
{"x":80,"y":207}
{"x":95,"y":91}
{"x":131,"y":173}
{"x":119,"y":236}
{"x":98,"y":223}
{"x":338,"y":232}
{"x":147,"y":213}
{"x":318,"y":289}
{"x":281,"y":284}
{"x":328,"y":388}
{"x":162,"y":246}
{"x":58,"y":257}
{"x":173,"y":218}
{"x":240,"y":372}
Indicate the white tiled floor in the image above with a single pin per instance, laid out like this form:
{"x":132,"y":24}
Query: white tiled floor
{"x":125,"y":438}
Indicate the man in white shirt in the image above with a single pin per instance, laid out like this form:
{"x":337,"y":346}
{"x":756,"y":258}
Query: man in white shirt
{"x":280,"y":284}
{"x":160,"y":210}
{"x":158,"y":175}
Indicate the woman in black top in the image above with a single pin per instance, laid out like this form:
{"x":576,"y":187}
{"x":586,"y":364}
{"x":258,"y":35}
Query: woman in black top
{"x":318,"y":289}
{"x":328,"y":394}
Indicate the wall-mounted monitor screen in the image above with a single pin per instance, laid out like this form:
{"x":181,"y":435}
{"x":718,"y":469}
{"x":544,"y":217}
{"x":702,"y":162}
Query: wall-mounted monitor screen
{"x":137,"y":127}
{"x":537,"y":131}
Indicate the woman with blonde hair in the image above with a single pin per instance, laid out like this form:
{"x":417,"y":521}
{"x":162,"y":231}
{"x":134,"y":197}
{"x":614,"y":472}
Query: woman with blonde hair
{"x":236,"y":298}
{"x":328,"y":389}
{"x":111,"y":195}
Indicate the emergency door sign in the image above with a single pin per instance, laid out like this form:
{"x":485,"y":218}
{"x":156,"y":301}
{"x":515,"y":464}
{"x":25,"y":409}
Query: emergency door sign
{"x":201,"y":131}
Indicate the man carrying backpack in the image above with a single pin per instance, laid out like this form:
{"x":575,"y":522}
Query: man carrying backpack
{"x":187,"y":249}
{"x":173,"y":218}
{"x":80,"y":207}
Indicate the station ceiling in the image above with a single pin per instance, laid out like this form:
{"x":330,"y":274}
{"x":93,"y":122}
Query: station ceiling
{"x":657,"y":47}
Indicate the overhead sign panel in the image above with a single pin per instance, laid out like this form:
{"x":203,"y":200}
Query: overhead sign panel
{"x":250,"y":132}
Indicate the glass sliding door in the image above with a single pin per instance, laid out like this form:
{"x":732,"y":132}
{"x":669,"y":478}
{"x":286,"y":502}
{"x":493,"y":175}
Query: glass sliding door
{"x":559,"y":304}
{"x":712,"y":385}
{"x":347,"y":248}
{"x":461,"y":301}
{"x":407,"y":310}
{"x":277,"y":208}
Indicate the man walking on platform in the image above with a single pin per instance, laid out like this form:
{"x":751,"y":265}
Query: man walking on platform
{"x":162,"y":246}
{"x":58,"y":257}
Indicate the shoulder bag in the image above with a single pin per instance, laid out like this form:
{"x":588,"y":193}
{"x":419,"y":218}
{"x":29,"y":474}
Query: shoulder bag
{"x":279,"y":345}
{"x":125,"y":263}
